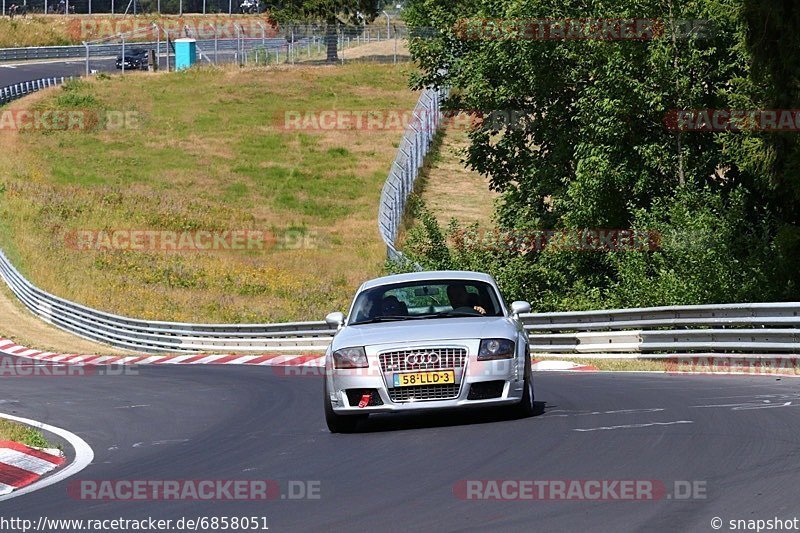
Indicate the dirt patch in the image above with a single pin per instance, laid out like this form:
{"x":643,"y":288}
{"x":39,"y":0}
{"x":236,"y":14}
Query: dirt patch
{"x":382,"y":49}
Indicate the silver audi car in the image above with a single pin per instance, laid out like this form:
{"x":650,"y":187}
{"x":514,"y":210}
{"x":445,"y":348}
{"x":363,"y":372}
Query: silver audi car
{"x":426,"y":340}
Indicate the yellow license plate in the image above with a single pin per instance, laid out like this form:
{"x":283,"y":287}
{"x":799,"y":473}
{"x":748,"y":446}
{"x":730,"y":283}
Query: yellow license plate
{"x":438,"y":377}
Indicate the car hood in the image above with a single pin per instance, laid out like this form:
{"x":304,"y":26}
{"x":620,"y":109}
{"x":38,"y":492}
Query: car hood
{"x":433,"y":329}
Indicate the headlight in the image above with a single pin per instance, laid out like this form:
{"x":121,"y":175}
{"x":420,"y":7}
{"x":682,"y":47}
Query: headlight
{"x":350,"y":358}
{"x":495,"y":349}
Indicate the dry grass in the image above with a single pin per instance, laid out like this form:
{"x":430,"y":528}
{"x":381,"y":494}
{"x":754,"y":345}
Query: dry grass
{"x":384,"y":50}
{"x":210,"y":154}
{"x":35,"y":30}
{"x":450,"y":190}
{"x":378,"y":51}
{"x":640,"y":365}
{"x":685,"y":364}
{"x":21,"y":326}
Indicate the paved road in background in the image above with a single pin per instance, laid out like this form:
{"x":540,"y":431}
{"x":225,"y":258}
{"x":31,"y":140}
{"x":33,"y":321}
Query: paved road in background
{"x":11,"y":73}
{"x":34,"y":71}
{"x":16,"y":72}
{"x":737,"y":436}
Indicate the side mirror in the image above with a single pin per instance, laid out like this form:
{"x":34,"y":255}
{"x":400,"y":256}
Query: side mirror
{"x":517,"y":308}
{"x":336,"y":320}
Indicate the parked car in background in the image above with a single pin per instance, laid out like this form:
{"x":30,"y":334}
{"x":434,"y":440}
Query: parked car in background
{"x":135,"y":59}
{"x":249,"y":7}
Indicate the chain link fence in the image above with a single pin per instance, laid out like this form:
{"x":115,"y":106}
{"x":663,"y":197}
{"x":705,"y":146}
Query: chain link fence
{"x":147,"y":7}
{"x":414,"y":146}
{"x":256,"y":44}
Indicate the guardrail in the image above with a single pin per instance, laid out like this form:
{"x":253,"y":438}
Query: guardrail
{"x":18,"y":90}
{"x":734,"y":329}
{"x":765,"y":329}
{"x":405,"y":168}
{"x":158,"y":337}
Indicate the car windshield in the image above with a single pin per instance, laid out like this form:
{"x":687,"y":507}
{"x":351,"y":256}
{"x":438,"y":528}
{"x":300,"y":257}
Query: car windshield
{"x":426,"y":299}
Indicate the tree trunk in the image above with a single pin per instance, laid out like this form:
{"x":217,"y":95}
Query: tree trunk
{"x":331,"y":42}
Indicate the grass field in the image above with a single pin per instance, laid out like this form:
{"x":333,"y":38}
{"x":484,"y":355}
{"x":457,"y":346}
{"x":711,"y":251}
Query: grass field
{"x":207,"y":152}
{"x":24,"y":434}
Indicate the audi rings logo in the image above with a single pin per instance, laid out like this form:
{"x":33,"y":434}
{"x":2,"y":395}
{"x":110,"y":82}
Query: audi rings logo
{"x":422,"y":358}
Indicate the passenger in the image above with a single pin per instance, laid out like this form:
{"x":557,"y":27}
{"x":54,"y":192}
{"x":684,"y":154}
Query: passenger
{"x":391,"y":306}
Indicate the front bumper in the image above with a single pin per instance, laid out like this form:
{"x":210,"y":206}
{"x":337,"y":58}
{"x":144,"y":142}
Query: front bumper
{"x":506,"y":377}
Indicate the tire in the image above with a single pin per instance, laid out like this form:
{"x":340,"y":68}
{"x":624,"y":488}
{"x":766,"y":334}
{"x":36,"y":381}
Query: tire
{"x":339,"y":423}
{"x":525,"y":408}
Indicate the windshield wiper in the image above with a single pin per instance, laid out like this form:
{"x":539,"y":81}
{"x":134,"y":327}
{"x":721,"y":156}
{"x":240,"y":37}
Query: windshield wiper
{"x":387,"y":318}
{"x":453,"y":312}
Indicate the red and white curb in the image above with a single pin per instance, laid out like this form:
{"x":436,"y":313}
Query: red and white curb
{"x":309,"y":359}
{"x":22,"y":465}
{"x":33,"y":466}
{"x":547,"y":365}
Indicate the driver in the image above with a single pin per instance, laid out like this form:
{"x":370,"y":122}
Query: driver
{"x":459,"y":297}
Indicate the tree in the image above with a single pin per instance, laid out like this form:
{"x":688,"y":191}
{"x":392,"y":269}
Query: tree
{"x":584,"y":144}
{"x":328,"y":12}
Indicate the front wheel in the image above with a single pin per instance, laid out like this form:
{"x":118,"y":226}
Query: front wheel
{"x":339,"y":423}
{"x":525,"y":408}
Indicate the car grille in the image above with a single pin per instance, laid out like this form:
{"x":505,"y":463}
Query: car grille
{"x":424,"y":392}
{"x":442,"y":358}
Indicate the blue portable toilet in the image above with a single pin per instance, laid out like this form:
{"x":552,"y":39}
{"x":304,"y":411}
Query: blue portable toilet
{"x":185,"y":53}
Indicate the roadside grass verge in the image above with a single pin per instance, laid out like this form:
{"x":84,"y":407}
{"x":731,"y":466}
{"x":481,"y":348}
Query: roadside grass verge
{"x":208,"y":152}
{"x":22,"y":434}
{"x":638,"y":365}
{"x":681,"y":364}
